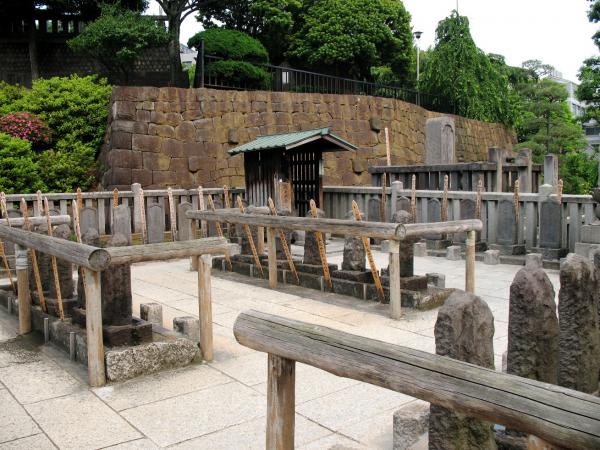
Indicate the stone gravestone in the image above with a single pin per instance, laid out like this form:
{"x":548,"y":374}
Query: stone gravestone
{"x":439,"y":141}
{"x":467,"y":211}
{"x":533,"y":327}
{"x":116,"y":295}
{"x":551,"y":230}
{"x":88,"y":218}
{"x":90,"y":237}
{"x":354,"y":251}
{"x":507,"y":235}
{"x":155,"y":219}
{"x":434,"y":214}
{"x":311,"y":249}
{"x":122,"y":222}
{"x":579,"y":346}
{"x":407,"y":256}
{"x":184,"y":225}
{"x":464,"y":330}
{"x":374,"y":209}
{"x":403,"y":204}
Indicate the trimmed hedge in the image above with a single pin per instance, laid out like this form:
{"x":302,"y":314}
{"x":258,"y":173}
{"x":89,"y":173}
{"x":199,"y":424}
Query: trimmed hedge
{"x":19,"y":171}
{"x":239,"y":74}
{"x":230,"y":44}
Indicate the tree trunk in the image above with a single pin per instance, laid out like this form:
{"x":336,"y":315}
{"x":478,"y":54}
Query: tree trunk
{"x":33,"y":54}
{"x":174,"y":56}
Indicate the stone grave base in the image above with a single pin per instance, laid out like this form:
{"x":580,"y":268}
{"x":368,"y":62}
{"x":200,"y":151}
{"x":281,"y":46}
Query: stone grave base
{"x":168,"y":350}
{"x":52,"y":304}
{"x":550,"y":253}
{"x":353,"y":275}
{"x":425,"y":297}
{"x":479,"y":246}
{"x":515,"y":249}
{"x":585,"y":250}
{"x":437,"y":244}
{"x":138,"y":332}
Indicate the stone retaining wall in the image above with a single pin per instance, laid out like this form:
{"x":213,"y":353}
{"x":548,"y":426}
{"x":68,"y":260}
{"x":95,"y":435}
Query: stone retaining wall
{"x":179,"y":137}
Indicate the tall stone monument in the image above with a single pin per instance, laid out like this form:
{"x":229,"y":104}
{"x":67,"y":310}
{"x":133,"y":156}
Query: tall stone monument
{"x":590,"y":234}
{"x":440,"y":141}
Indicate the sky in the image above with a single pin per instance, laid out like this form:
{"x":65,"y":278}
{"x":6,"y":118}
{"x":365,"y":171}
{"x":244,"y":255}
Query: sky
{"x":556,"y":32}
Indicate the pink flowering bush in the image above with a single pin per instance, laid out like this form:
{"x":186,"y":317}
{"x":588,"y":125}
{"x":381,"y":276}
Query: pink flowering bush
{"x":26,"y":126}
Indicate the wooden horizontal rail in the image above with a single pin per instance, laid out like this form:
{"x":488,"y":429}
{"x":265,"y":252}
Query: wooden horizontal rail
{"x":562,"y":417}
{"x":170,"y":250}
{"x":93,"y":258}
{"x":424,"y":229}
{"x":344,"y":227}
{"x":380,"y":230}
{"x":37,"y":220}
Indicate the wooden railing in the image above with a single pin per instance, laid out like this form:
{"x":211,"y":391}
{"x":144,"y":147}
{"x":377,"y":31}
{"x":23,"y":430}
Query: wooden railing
{"x":392,"y":233}
{"x":102,"y":201}
{"x":560,"y":416}
{"x":93,"y":261}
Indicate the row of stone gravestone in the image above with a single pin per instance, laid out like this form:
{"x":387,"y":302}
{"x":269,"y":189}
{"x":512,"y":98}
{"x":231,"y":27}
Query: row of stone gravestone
{"x":540,"y":347}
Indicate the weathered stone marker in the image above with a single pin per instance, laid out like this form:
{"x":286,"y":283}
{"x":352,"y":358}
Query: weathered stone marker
{"x":116,"y":289}
{"x":156,"y":223}
{"x":407,"y":255}
{"x":354,"y":257}
{"x":88,"y":218}
{"x":122,"y":222}
{"x":311,"y":248}
{"x":579,"y":348}
{"x":439,"y":141}
{"x":551,"y":230}
{"x":533,"y":332}
{"x":90,"y":237}
{"x":507,"y":233}
{"x":184,"y":227}
{"x":464,"y":330}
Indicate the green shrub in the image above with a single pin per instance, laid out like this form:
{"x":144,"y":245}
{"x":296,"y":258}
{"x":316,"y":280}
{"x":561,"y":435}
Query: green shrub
{"x":76,"y":109}
{"x":230,"y":44}
{"x":26,"y":126}
{"x":19,"y":172}
{"x":10,"y":93}
{"x":239,"y":74}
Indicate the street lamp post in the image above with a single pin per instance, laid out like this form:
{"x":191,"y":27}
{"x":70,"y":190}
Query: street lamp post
{"x":417,"y":35}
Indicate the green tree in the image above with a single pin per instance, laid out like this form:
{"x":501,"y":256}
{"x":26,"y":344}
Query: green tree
{"x":239,"y":51}
{"x":269,"y":21}
{"x":348,"y":37}
{"x":589,"y":74}
{"x":117,"y":38}
{"x":463,"y":77}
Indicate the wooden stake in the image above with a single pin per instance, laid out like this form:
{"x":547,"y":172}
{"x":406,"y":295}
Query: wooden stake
{"x":34,"y":261}
{"x":281,"y":381}
{"x":478,"y":199}
{"x":367,"y":246}
{"x":4,"y":257}
{"x":272,"y":255}
{"x":250,"y":239}
{"x":445,"y":200}
{"x":226,"y":201}
{"x":559,"y":190}
{"x":115,"y":197}
{"x":284,"y":244}
{"x":382,"y":205}
{"x":40,"y":203}
{"x":79,"y":197}
{"x":211,"y":205}
{"x":143,"y":217}
{"x":205,"y":307}
{"x":321,"y":245}
{"x":394,"y":272}
{"x":172,"y":215}
{"x":76,"y":225}
{"x":61,"y":312}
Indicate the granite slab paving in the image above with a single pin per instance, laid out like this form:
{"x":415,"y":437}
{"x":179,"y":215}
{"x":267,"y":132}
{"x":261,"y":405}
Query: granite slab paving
{"x":222,"y":404}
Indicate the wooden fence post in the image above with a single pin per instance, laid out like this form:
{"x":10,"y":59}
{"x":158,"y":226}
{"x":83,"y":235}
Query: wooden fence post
{"x":272,"y":254}
{"x":205,"y":307}
{"x":470,"y":262}
{"x":93,"y":325}
{"x":280,"y":403}
{"x":393,"y":248}
{"x":23,"y":289}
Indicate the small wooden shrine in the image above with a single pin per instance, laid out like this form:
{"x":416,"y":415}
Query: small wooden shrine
{"x":288,"y":167}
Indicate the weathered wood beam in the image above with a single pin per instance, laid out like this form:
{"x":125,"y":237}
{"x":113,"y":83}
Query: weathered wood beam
{"x":170,"y":250}
{"x":93,"y":258}
{"x":561,"y":416}
{"x":37,"y":220}
{"x":423,"y":229}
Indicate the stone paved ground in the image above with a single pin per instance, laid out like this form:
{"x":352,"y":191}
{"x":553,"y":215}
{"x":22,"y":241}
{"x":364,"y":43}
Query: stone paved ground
{"x":47,"y":404}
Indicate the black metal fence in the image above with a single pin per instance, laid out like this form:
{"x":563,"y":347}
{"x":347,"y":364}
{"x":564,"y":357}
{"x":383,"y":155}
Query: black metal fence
{"x":287,"y":79}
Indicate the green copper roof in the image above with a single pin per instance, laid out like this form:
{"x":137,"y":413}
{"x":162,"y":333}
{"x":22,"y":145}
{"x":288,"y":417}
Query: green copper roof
{"x":290,"y":140}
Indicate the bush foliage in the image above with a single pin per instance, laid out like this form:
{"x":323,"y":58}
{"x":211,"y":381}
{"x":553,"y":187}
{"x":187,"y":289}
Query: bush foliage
{"x":19,"y":171}
{"x":76,"y":110}
{"x":241,"y":74}
{"x":230,"y":44}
